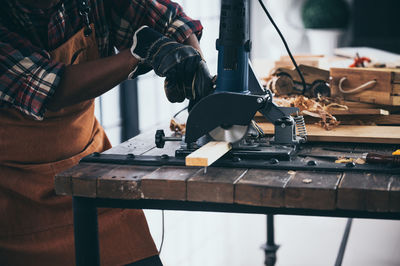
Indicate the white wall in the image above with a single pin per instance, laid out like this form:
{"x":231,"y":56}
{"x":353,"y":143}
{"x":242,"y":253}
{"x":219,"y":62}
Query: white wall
{"x":286,"y":13}
{"x":108,"y":112}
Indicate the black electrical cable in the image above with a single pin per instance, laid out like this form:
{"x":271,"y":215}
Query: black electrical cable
{"x":180,"y":111}
{"x":286,"y":45}
{"x":163,"y":231}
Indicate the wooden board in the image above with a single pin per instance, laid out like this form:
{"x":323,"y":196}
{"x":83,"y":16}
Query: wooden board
{"x":214,"y":186}
{"x":84,"y":179}
{"x":167,"y":183}
{"x":122,"y":182}
{"x":359,"y":134}
{"x":364,"y":191}
{"x":208,"y":154}
{"x":312,"y":190}
{"x":394,"y":196}
{"x":358,"y":120}
{"x":262,"y":188}
{"x":359,"y":111}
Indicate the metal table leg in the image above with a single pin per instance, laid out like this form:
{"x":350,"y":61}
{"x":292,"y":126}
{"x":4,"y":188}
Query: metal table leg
{"x":270,"y":248}
{"x":343,"y":244}
{"x":86,"y":232}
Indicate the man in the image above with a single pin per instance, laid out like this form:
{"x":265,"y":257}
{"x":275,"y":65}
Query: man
{"x":56,"y":56}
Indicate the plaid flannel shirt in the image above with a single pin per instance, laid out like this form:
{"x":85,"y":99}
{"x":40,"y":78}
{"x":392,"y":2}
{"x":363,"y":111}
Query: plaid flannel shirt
{"x":28,"y":76}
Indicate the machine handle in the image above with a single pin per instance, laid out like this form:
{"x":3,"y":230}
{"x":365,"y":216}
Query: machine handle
{"x":375,"y":158}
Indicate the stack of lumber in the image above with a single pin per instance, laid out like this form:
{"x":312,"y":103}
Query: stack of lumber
{"x":361,"y":122}
{"x":320,"y":61}
{"x":364,"y":114}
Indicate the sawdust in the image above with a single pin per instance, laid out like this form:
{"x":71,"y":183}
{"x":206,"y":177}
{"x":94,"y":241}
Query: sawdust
{"x":350,"y":160}
{"x":319,"y":108}
{"x":177,"y":127}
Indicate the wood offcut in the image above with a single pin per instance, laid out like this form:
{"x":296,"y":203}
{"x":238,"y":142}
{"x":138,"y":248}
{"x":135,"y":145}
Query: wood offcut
{"x":208,"y":154}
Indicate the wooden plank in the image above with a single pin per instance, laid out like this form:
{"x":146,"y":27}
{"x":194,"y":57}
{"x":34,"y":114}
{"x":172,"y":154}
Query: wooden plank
{"x":121,"y":182}
{"x":309,"y":60}
{"x":62,"y":182}
{"x":262,"y":188}
{"x":361,"y":120}
{"x":208,"y":154}
{"x":358,"y":134}
{"x":396,"y":89}
{"x":71,"y":182}
{"x":396,"y":75}
{"x":395,"y":100}
{"x":84,"y":178}
{"x":394,"y":196}
{"x":310,"y":73}
{"x":167,"y":183}
{"x":312,"y":190}
{"x":364,"y":191}
{"x":359,"y":111}
{"x":216,"y":185}
{"x":351,"y":104}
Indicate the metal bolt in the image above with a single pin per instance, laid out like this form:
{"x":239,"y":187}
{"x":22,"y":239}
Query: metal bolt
{"x":165,"y":157}
{"x":283,"y":125}
{"x":205,"y":170}
{"x":312,"y":163}
{"x":351,"y":164}
{"x":274,"y":161}
{"x":236,"y":159}
{"x":260,"y":100}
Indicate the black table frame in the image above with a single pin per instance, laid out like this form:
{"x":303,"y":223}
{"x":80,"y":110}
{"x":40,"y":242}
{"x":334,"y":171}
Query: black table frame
{"x":86,"y":224}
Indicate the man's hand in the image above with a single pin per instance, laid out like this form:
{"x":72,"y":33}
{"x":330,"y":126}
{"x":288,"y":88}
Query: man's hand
{"x":186,"y":73}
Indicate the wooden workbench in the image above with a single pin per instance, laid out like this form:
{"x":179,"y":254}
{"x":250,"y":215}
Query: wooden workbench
{"x":340,"y":194}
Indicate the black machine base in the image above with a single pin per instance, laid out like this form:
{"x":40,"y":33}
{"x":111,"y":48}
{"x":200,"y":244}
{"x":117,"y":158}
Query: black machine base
{"x":262,"y":152}
{"x":296,"y":164}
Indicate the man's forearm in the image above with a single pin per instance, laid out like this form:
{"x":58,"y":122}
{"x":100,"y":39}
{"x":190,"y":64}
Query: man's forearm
{"x":194,"y":42}
{"x":88,"y":80}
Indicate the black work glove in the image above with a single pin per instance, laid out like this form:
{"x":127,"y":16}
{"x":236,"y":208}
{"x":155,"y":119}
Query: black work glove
{"x":186,"y":73}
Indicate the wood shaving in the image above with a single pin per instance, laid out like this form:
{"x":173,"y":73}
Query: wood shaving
{"x":318,"y":107}
{"x":307,"y":181}
{"x":177,"y":127}
{"x":350,"y":160}
{"x":336,"y":106}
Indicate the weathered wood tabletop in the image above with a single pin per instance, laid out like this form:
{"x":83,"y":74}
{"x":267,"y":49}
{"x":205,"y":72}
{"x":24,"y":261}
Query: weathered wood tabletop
{"x":280,"y":191}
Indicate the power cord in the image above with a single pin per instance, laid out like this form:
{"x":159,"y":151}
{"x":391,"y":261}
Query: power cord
{"x":286,"y":45}
{"x":162,"y":232}
{"x":180,"y":111}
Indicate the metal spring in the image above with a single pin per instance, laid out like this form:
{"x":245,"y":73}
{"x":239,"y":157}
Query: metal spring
{"x":300,"y":126}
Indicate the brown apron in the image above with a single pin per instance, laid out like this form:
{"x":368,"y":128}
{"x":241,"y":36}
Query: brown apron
{"x":36,"y":225}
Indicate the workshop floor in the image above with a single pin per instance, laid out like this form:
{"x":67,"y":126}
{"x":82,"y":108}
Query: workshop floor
{"x":209,"y":239}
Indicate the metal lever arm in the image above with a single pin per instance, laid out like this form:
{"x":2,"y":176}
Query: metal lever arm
{"x":285,"y":126}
